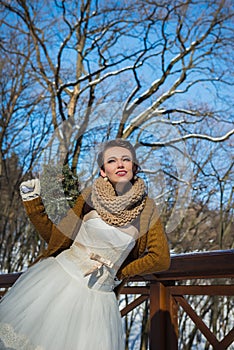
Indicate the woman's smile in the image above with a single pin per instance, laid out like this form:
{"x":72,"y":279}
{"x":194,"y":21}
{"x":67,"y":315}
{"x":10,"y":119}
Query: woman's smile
{"x":121,"y":173}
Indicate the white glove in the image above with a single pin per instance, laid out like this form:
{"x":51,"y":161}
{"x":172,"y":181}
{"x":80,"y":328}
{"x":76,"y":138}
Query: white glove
{"x":30,"y":189}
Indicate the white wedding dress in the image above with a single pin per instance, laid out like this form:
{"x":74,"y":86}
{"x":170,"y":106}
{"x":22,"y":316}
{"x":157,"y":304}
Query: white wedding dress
{"x":67,"y":302}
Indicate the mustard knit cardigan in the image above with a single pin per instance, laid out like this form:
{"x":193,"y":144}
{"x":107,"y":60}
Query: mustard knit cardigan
{"x":151,"y":251}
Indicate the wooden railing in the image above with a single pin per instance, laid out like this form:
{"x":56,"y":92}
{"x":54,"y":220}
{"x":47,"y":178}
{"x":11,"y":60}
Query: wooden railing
{"x":167,"y":292}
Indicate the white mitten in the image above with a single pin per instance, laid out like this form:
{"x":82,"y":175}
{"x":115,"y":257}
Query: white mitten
{"x":30,"y":189}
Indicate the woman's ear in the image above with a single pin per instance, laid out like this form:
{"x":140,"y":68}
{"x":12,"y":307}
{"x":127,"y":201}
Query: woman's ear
{"x":102,"y":173}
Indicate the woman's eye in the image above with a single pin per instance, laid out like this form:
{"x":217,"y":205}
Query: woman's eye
{"x":127,"y":160}
{"x":110,"y":161}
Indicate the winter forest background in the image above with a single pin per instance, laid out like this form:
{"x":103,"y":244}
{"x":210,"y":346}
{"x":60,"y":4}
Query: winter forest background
{"x":158,"y":73}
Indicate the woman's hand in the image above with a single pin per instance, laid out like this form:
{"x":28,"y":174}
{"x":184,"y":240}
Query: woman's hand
{"x":30,"y":189}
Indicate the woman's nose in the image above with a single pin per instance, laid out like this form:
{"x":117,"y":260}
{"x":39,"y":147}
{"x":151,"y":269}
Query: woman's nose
{"x":120,"y":163}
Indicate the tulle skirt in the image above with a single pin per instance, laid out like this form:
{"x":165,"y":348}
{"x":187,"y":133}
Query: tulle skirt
{"x":49,"y":309}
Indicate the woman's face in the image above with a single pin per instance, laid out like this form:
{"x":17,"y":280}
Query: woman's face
{"x":118,"y":165}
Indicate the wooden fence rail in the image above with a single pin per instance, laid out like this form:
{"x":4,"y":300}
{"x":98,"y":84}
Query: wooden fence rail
{"x":166,"y":295}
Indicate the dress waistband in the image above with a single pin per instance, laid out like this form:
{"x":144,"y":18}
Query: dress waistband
{"x":101,"y":261}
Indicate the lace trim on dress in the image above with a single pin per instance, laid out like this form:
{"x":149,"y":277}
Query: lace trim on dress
{"x":10,"y":340}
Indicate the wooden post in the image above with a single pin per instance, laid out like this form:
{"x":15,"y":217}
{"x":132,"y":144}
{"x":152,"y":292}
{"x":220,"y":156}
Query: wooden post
{"x":163,"y":318}
{"x":172,"y":322}
{"x":157,"y":316}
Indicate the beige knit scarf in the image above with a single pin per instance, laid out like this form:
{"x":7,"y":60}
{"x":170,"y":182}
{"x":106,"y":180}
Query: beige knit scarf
{"x":118,"y":210}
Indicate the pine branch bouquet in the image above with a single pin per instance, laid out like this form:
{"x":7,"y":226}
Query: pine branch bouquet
{"x":59,"y":190}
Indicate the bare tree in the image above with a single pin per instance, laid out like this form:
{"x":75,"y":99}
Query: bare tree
{"x":18,"y":151}
{"x":79,"y":52}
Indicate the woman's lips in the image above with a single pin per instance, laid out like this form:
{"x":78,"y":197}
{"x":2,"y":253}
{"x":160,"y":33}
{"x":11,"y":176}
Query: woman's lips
{"x":121,"y":173}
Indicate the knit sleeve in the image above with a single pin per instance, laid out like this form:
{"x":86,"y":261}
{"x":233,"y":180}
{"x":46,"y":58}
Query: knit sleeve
{"x":46,"y":228}
{"x":156,"y":256}
{"x":37,"y":215}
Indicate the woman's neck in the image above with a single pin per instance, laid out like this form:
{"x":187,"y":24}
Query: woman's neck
{"x":122,"y":188}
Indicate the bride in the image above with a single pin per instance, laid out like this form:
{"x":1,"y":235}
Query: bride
{"x":67,"y":299}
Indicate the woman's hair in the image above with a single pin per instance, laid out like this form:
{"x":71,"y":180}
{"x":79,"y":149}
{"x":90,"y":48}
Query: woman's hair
{"x":118,"y":143}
